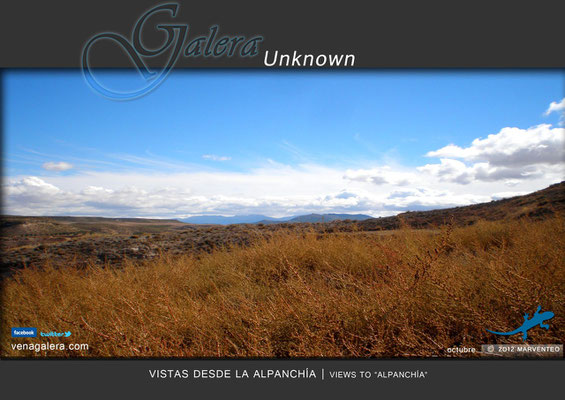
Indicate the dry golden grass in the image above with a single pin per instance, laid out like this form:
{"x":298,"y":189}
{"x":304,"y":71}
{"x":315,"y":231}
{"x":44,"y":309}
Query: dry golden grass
{"x":412,"y":293}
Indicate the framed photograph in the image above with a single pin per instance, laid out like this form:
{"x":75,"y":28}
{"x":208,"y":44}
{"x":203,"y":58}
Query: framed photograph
{"x":301,"y":199}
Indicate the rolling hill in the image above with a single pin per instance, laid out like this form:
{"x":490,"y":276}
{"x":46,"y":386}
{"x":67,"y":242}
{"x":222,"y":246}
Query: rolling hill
{"x":536,"y":205}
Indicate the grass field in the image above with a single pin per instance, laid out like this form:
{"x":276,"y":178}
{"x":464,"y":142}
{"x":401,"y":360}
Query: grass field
{"x":412,"y":293}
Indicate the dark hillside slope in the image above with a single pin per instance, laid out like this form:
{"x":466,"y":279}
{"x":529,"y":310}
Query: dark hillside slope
{"x":536,"y":205}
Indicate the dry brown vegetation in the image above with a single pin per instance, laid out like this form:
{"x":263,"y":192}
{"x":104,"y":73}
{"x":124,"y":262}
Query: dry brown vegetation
{"x":296,"y":294}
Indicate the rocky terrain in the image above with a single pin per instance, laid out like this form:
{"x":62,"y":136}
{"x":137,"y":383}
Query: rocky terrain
{"x":111,"y":244}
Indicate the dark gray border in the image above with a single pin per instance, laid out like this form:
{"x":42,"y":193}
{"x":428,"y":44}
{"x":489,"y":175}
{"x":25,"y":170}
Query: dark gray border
{"x":392,"y":34}
{"x":131,"y":379}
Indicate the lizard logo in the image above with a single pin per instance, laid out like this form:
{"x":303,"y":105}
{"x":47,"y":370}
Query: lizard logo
{"x":528,"y":324}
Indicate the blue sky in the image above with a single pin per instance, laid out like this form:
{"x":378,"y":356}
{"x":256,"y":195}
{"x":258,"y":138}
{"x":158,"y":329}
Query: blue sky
{"x":223,"y":127}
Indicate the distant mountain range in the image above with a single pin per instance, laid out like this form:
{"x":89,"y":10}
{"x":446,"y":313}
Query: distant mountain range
{"x":221,"y":220}
{"x":535,"y":205}
{"x":322,"y":218}
{"x":262,"y":219}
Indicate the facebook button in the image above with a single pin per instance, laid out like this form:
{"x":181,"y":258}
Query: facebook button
{"x":24,"y":332}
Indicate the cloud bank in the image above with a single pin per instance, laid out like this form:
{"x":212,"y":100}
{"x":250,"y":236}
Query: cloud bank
{"x":511,"y":155}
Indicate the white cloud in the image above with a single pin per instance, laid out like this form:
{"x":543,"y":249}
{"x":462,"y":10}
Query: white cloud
{"x":214,"y":157}
{"x":555,"y":107}
{"x":29,"y":194}
{"x":449,"y":170}
{"x":512,"y":147}
{"x":509,"y":156}
{"x":380,"y":176}
{"x":57,"y":166}
{"x":32,"y":186}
